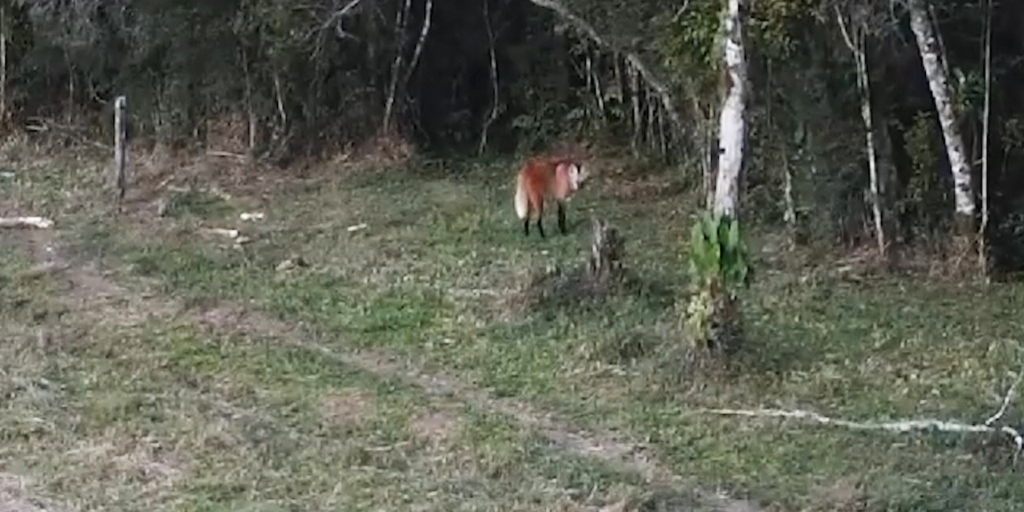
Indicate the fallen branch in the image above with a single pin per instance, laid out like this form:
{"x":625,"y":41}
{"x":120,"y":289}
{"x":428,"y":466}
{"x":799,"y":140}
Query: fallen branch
{"x":1006,"y":400}
{"x":633,"y":59}
{"x":26,"y":222}
{"x":895,"y":426}
{"x":227,"y":154}
{"x":230,"y":233}
{"x":75,"y":133}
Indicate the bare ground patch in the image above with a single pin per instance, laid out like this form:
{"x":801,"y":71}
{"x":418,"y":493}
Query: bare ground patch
{"x":348,"y":406}
{"x":17,"y":494}
{"x":436,"y":427}
{"x":151,"y":467}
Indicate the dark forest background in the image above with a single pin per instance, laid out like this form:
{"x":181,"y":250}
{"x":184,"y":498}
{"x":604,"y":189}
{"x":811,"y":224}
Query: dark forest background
{"x":282,"y":80}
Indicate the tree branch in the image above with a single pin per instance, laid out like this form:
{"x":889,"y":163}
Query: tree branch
{"x":424,"y":31}
{"x":633,"y":59}
{"x":846,"y":34}
{"x":682,"y":10}
{"x":26,"y":222}
{"x":338,"y":17}
{"x":401,"y":20}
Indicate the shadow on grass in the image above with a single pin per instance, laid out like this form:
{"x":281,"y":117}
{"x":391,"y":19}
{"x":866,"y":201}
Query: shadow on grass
{"x":555,"y":293}
{"x":571,"y":291}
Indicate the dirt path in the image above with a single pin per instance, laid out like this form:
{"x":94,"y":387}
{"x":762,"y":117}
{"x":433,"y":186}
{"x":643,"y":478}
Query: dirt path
{"x":90,"y":292}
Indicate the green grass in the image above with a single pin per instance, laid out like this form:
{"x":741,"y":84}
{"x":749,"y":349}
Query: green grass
{"x":156,"y":413}
{"x":439,"y":276}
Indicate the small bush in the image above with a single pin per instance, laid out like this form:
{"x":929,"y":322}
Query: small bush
{"x":719,"y":270}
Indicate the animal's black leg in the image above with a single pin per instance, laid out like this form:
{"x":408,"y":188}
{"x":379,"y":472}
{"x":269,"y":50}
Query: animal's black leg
{"x":540,"y":227}
{"x":561,"y":218}
{"x":526,"y":226}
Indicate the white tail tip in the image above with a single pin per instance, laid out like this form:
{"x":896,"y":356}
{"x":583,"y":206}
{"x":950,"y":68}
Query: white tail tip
{"x":521,"y":203}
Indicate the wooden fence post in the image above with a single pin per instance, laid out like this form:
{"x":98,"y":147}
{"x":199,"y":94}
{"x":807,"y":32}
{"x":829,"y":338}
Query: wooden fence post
{"x":120,"y":148}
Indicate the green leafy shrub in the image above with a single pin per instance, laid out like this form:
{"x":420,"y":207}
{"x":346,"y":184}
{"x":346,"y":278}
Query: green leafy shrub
{"x":719,"y":269}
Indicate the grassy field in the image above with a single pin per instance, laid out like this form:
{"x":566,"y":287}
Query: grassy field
{"x":133,"y":410}
{"x":184,"y":415}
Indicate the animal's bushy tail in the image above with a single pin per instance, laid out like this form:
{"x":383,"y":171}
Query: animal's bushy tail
{"x":521,"y":200}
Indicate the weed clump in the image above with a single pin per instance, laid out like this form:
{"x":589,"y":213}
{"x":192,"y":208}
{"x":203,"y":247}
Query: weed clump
{"x":719,"y":269}
{"x":601,"y":275}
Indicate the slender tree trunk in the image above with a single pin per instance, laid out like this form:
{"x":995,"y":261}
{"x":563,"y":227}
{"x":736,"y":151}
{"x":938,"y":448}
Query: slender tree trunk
{"x":662,"y":134}
{"x":428,"y":16}
{"x":732,"y":122}
{"x":71,"y":88}
{"x":493,"y":115}
{"x":986,"y":114}
{"x":638,"y":120}
{"x":595,"y":75}
{"x":938,"y":81}
{"x":401,"y":19}
{"x":789,"y":203}
{"x":250,"y":108}
{"x":708,"y":148}
{"x":887,"y":178}
{"x":282,"y":112}
{"x":652,"y":114}
{"x":789,"y":215}
{"x":856,"y":41}
{"x":3,"y":61}
{"x":620,"y":76}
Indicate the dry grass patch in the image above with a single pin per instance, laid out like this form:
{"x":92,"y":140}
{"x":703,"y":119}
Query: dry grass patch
{"x":225,"y":318}
{"x":18,"y":494}
{"x":843,"y":495}
{"x":436,"y":427}
{"x":140,"y":462}
{"x":381,"y":151}
{"x":349,"y":406}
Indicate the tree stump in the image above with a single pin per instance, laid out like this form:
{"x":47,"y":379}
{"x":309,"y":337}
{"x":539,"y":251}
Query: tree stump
{"x":606,"y":254}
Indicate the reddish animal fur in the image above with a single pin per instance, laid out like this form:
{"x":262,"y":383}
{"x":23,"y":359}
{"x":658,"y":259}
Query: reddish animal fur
{"x":541,"y":178}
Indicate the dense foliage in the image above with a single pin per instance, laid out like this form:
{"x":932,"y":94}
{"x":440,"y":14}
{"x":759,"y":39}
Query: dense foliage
{"x":284,"y":79}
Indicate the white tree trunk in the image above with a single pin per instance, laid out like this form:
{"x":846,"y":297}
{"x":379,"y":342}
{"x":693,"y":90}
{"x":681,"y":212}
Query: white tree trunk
{"x":856,"y":42}
{"x":986,"y":119}
{"x":3,"y":62}
{"x":938,"y":81}
{"x":731,"y":122}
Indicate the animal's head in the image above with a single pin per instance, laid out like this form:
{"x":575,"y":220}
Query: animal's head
{"x":578,"y":174}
